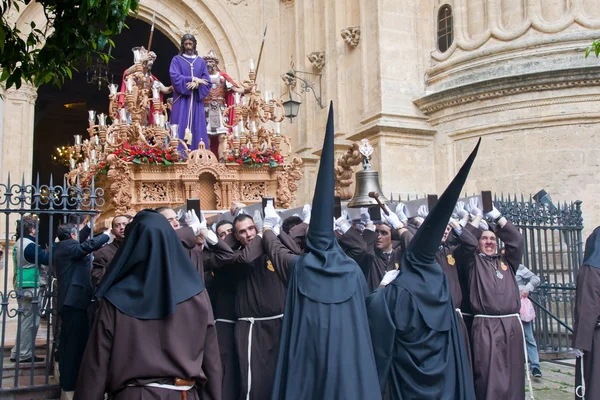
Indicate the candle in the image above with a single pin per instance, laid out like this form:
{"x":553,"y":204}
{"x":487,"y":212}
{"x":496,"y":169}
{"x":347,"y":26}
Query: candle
{"x":78,"y":139}
{"x":174,"y":131}
{"x":236,"y":131}
{"x":102,"y":119}
{"x":253,"y":125}
{"x":155,"y":94}
{"x":251,"y":65}
{"x":241,"y":126}
{"x":129,"y":84}
{"x":93,"y":155}
{"x":113,"y":88}
{"x":110,"y":138}
{"x":86,"y":165}
{"x":96,"y":140}
{"x":162,"y":118}
{"x":123,"y":116}
{"x":71,"y":163}
{"x":137,"y":55}
{"x":91,"y":116}
{"x":267,"y":96}
{"x":278,"y":128}
{"x":237,"y":97}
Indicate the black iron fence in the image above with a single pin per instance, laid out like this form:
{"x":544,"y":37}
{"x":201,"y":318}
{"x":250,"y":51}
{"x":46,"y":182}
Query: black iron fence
{"x":29,"y":332}
{"x":553,"y":251}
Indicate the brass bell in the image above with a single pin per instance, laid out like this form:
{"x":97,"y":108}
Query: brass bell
{"x":366,"y":181}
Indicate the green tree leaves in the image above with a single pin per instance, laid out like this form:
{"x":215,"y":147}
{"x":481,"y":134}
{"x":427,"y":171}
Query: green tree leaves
{"x":76,"y":30}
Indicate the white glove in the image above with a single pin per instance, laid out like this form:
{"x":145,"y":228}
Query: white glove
{"x":276,"y":230}
{"x":389,"y":277}
{"x":365,"y":217}
{"x":459,"y":209}
{"x":392,"y":219}
{"x":192,"y":220}
{"x":272,"y":219}
{"x":258,"y":221}
{"x":473,"y":207}
{"x":179,"y":214}
{"x":209,"y":236}
{"x":578,"y":353}
{"x":483,"y":225}
{"x":306,"y":213}
{"x":456,"y":227}
{"x":342,"y":222}
{"x":423,"y":211}
{"x":494,"y":214}
{"x":401,"y":212}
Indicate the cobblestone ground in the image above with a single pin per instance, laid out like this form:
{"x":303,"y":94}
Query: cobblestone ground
{"x":557,"y":382}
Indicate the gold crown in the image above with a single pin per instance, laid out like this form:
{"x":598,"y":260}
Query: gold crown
{"x":188,"y":29}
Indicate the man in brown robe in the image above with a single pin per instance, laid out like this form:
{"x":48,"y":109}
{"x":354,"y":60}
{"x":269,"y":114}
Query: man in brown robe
{"x":104,"y":256}
{"x":259,"y":303}
{"x":373,"y":250}
{"x":154,"y":335}
{"x":586,"y":332}
{"x":494,"y":298}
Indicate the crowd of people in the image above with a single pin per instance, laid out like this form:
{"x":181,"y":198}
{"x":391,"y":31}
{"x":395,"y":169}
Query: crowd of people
{"x":310,"y":307}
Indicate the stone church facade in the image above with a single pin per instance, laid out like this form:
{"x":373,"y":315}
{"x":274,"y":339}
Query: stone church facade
{"x":422,"y":80}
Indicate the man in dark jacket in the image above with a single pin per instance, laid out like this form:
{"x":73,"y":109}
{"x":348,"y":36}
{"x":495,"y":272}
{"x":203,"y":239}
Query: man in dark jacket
{"x":72,"y":263}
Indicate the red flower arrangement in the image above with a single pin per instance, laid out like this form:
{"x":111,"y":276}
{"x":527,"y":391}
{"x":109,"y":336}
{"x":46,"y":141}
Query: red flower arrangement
{"x":257,"y":158}
{"x":137,"y":154}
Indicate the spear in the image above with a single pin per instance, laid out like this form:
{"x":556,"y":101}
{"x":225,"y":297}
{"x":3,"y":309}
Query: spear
{"x":151,"y":31}
{"x":262,"y":45}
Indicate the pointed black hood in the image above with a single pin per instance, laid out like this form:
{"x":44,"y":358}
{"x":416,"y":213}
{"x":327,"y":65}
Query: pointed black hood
{"x":420,"y":275}
{"x":325,"y":273}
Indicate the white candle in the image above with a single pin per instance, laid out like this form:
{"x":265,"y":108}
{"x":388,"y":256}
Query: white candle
{"x":237,"y":97}
{"x":96,"y":140}
{"x":253,"y":125}
{"x":102,"y":119}
{"x":251,"y":65}
{"x":113,"y":88}
{"x":236,"y":131}
{"x":267,"y":96}
{"x":77,"y":139}
{"x":129,"y":84}
{"x":155,"y":94}
{"x":93,"y":155}
{"x":91,"y":116}
{"x":86,"y":165}
{"x":174,"y":131}
{"x":241,"y":126}
{"x":123,"y":116}
{"x":72,"y":163}
{"x":278,"y":127}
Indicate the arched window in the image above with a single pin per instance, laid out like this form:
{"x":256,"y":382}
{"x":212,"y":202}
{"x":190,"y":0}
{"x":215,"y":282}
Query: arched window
{"x":445,"y":35}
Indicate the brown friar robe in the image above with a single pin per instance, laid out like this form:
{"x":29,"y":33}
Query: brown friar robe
{"x":445,"y":258}
{"x":494,"y":297}
{"x":102,"y":259}
{"x":586,"y":332}
{"x":373,"y":262}
{"x":125,"y":353}
{"x":211,"y":257}
{"x":259,"y":304}
{"x":295,"y":239}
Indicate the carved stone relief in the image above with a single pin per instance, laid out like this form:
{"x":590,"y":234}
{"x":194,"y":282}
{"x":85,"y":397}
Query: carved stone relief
{"x":351,"y":35}
{"x":317,"y":59}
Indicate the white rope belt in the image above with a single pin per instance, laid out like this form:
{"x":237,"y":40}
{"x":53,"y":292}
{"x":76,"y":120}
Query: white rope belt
{"x":518,"y":316}
{"x":228,"y":321}
{"x":252,"y":320}
{"x":165,"y":386}
{"x":580,"y":390}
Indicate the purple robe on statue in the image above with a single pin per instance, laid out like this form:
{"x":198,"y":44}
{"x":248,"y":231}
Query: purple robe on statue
{"x":180,"y":72}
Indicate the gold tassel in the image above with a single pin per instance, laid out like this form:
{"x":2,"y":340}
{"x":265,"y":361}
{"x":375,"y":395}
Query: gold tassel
{"x":188,"y":136}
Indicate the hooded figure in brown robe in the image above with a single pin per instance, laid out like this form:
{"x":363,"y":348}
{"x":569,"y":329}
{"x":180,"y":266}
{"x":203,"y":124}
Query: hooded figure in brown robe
{"x":154,"y":336}
{"x":586,"y":332}
{"x":493,"y":296}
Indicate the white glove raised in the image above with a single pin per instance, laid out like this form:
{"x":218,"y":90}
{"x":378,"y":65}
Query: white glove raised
{"x":494,"y":214}
{"x":342,"y":222}
{"x":389,"y":277}
{"x":578,"y":353}
{"x":365,"y":217}
{"x":392,"y":219}
{"x":483,"y":225}
{"x":192,"y":220}
{"x":272,"y":219}
{"x":306,"y":213}
{"x":473,"y":207}
{"x":423,"y":211}
{"x":401,"y":212}
{"x":459,"y":209}
{"x":258,"y":221}
{"x":209,"y":236}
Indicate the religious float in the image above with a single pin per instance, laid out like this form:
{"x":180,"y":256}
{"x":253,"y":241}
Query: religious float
{"x":140,"y":161}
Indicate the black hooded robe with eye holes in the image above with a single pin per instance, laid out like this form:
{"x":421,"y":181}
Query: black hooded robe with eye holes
{"x":325,"y":350}
{"x":417,"y":340}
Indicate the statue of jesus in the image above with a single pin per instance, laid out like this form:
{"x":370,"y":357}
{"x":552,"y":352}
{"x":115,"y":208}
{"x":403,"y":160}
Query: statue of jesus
{"x":190,"y":80}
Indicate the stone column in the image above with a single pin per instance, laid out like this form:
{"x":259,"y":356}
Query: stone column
{"x":17,"y":133}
